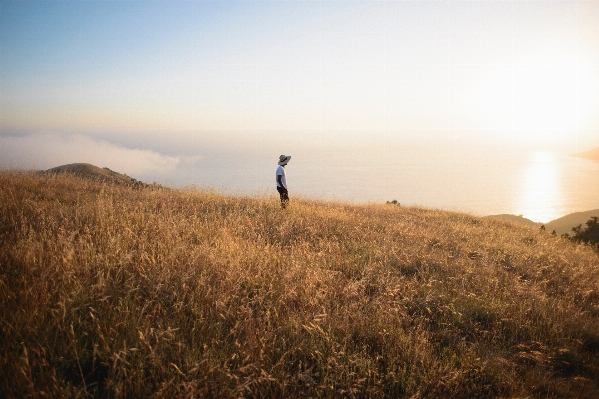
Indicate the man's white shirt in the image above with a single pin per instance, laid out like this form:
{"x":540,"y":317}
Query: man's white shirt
{"x":281,"y":172}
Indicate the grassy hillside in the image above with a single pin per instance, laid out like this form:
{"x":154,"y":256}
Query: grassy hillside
{"x":114,"y":291}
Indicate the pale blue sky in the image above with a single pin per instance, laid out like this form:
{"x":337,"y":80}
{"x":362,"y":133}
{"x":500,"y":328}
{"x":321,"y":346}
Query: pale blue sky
{"x":174,"y":78}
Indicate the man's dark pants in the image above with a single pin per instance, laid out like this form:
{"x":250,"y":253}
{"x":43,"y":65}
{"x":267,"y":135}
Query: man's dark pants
{"x":284,"y":196}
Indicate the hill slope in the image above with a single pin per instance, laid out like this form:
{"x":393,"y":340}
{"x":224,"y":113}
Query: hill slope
{"x":565,"y":223}
{"x":515,"y":219}
{"x":561,"y":225}
{"x":106,"y":290}
{"x":92,"y":172}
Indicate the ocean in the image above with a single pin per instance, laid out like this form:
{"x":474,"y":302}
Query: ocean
{"x":481,"y":180}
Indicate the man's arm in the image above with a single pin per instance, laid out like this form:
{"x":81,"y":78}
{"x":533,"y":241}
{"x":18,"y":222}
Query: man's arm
{"x":280,"y":181}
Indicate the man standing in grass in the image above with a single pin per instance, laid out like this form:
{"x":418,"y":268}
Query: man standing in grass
{"x":282,"y":181}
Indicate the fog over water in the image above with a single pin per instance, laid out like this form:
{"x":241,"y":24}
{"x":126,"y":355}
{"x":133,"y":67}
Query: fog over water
{"x":541,"y":186}
{"x":484,"y":180}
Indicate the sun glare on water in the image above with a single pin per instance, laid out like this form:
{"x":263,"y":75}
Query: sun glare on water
{"x":540,"y":195}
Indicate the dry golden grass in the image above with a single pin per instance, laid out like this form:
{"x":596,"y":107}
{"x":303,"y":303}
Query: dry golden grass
{"x":113,"y":291}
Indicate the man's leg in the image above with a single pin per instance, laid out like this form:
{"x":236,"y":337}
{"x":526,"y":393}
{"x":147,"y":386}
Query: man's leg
{"x":284,"y":196}
{"x":285,"y":199}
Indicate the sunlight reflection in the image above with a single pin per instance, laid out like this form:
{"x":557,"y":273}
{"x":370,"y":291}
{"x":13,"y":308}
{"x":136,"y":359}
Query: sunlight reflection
{"x":540,"y":196}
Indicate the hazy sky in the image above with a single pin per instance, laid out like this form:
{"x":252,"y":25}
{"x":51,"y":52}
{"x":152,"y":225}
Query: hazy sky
{"x":159,"y":82}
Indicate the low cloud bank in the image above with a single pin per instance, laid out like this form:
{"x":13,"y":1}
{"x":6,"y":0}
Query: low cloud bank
{"x":44,"y":150}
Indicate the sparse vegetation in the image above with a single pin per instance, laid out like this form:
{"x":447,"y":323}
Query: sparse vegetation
{"x":113,"y":291}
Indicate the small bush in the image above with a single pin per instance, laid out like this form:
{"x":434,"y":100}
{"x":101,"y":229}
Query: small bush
{"x":589,"y":234}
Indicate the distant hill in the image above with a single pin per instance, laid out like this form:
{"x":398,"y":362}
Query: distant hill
{"x":89,"y":171}
{"x":565,"y":223}
{"x":591,"y":154}
{"x":561,"y":225}
{"x":515,"y":219}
